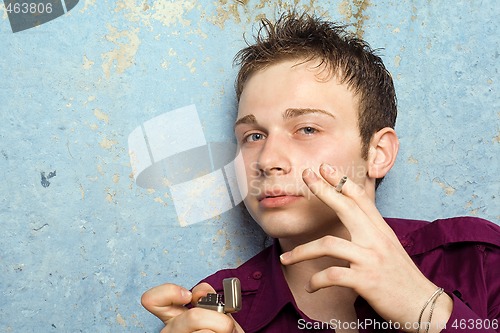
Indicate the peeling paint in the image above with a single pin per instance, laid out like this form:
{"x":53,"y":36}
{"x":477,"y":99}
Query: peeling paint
{"x":120,"y":320}
{"x":134,"y":12}
{"x":82,"y":191}
{"x":397,"y":61}
{"x":123,"y":56}
{"x":100,"y":169}
{"x":87,"y":64}
{"x":414,"y":13}
{"x":360,"y":17}
{"x":87,"y":5}
{"x":170,"y":13}
{"x":469,"y":206}
{"x":224,"y":13}
{"x":448,"y":190}
{"x":412,"y":160}
{"x":110,"y":195}
{"x":198,"y":32}
{"x":89,"y":99}
{"x":191,"y":67}
{"x":355,"y":9}
{"x":166,"y":182}
{"x":4,"y":14}
{"x":235,"y":9}
{"x":93,"y":179}
{"x":101,"y":115}
{"x":107,"y":144}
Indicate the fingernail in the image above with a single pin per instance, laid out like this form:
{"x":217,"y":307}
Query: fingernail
{"x":327,"y":168}
{"x":308,"y":288}
{"x":285,"y":256}
{"x":309,"y":173}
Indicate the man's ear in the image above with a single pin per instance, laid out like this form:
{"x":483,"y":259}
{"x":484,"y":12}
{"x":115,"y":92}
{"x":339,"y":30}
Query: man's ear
{"x":382,"y":154}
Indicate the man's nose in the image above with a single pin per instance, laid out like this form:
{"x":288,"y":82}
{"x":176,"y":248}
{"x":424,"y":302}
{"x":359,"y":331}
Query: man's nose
{"x":274,"y":157}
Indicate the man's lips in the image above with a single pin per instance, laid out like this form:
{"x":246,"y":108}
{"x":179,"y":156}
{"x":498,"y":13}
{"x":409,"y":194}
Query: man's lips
{"x":277,"y":194}
{"x":278,"y":201}
{"x":277,"y":198}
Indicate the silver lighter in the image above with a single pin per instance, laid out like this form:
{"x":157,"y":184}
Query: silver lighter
{"x":232,"y":298}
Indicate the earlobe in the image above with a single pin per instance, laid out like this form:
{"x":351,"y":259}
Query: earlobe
{"x":384,"y":148}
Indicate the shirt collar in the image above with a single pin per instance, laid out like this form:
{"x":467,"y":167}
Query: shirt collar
{"x":273,"y":294}
{"x":420,"y":236}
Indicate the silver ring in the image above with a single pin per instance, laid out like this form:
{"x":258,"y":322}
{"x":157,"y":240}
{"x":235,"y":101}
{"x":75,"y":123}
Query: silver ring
{"x":338,"y":188}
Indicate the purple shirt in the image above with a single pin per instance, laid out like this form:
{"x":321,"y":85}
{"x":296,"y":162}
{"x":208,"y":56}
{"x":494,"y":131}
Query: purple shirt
{"x":461,"y":255}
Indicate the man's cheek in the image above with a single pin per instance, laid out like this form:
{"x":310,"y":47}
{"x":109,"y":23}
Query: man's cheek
{"x":241,"y":175}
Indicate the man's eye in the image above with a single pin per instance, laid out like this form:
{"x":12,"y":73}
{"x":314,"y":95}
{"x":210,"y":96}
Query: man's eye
{"x":254,"y":137}
{"x":308,"y":130}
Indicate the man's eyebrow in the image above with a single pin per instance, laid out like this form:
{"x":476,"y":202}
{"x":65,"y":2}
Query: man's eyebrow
{"x":294,"y":112}
{"x":288,"y":114}
{"x":248,"y":119}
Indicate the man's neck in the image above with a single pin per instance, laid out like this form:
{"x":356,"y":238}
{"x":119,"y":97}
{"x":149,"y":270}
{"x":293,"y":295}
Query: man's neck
{"x":337,"y":229}
{"x":324,"y":304}
{"x":327,"y":304}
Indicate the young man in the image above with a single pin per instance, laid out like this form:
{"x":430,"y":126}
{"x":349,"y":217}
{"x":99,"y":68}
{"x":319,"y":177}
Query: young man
{"x":316,"y":105}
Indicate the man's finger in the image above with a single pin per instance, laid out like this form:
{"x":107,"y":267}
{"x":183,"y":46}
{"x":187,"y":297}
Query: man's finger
{"x":200,"y":291}
{"x":358,"y":194}
{"x":332,"y":276}
{"x":330,"y":246}
{"x":166,"y":301}
{"x":346,"y":209}
{"x":198,"y":319}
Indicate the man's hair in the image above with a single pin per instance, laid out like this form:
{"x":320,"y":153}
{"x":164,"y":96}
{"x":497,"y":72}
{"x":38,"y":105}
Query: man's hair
{"x":308,"y":37}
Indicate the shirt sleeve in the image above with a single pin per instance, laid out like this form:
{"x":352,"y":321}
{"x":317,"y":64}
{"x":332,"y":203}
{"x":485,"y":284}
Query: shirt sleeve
{"x":484,"y":317}
{"x":463,"y":319}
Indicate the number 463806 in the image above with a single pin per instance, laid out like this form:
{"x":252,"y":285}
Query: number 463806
{"x":31,"y":8}
{"x":475,"y":324}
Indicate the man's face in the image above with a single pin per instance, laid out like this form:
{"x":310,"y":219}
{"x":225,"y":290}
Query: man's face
{"x":291,"y":117}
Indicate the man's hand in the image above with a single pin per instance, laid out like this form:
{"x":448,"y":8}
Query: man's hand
{"x":167,"y":303}
{"x":379,"y":268}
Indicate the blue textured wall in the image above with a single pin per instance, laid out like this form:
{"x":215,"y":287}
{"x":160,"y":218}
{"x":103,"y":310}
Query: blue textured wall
{"x":81,"y":240}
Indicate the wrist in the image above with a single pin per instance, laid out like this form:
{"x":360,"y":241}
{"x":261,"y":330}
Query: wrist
{"x":442,"y":313}
{"x":436,"y":313}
